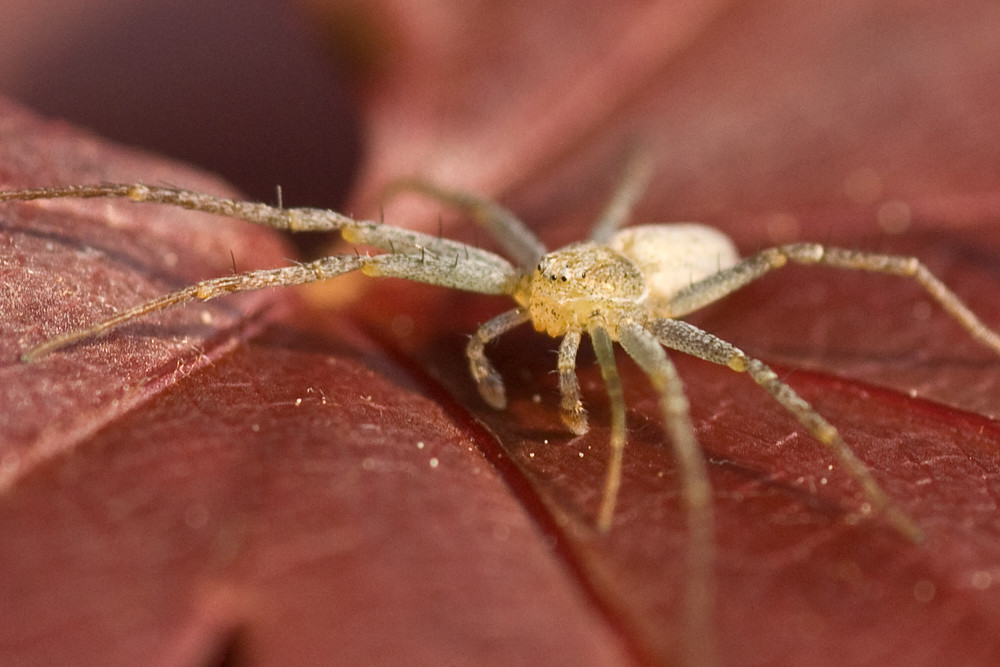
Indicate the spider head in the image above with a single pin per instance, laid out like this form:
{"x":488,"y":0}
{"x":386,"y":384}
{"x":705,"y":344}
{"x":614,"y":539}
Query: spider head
{"x":571,"y":285}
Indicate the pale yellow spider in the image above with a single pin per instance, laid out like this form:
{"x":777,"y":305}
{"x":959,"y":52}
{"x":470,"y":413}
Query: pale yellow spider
{"x":627,"y":285}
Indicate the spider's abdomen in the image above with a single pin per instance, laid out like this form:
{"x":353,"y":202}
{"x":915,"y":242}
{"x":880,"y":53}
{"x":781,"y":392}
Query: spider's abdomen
{"x":571,"y":285}
{"x":672,"y":256}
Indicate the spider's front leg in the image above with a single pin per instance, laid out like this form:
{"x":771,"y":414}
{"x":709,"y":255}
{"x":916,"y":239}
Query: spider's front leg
{"x":571,"y":406}
{"x":321,"y":269}
{"x":488,"y":379}
{"x":291,"y":219}
{"x":473,"y":273}
{"x":519,"y":242}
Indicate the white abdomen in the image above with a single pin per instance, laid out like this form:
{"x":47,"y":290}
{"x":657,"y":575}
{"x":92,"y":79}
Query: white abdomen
{"x":672,"y":256}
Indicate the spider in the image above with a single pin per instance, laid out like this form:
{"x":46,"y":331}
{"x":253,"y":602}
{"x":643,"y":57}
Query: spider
{"x":630,"y":285}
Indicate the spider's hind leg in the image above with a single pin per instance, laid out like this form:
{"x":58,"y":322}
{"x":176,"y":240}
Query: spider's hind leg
{"x":644,"y":347}
{"x":689,"y":339}
{"x":632,"y":183}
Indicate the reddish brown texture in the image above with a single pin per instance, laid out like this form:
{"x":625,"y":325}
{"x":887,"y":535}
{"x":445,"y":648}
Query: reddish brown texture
{"x":269,"y":502}
{"x":168,"y":501}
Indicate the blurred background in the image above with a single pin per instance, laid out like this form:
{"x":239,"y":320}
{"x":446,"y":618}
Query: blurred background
{"x":249,"y":90}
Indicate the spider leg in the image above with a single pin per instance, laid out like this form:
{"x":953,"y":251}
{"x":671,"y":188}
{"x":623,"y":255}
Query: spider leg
{"x":454,"y":271}
{"x":632,"y":183}
{"x":321,"y":269}
{"x":386,"y":237}
{"x":646,"y":350}
{"x":401,"y":241}
{"x":513,"y":236}
{"x":689,"y":339}
{"x":488,"y":380}
{"x":604,"y":350}
{"x":648,"y":353}
{"x":295,"y":219}
{"x":571,"y":407}
{"x":464,"y":275}
{"x":729,"y":280}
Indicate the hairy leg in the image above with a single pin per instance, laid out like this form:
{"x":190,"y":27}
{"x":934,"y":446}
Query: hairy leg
{"x":294,"y":219}
{"x":459,"y":275}
{"x":488,"y":380}
{"x":645,"y":349}
{"x":604,"y":350}
{"x":321,"y":269}
{"x":387,"y":237}
{"x":513,"y":236}
{"x":729,"y":280}
{"x":689,"y":339}
{"x":571,"y":407}
{"x":632,"y":183}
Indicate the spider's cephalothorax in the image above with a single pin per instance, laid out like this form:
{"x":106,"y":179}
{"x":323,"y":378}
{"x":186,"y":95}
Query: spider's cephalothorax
{"x":621,"y":285}
{"x":572,"y":286}
{"x":633,"y":277}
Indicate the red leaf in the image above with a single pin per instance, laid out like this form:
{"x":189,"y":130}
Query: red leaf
{"x":167,"y":501}
{"x":276,"y":483}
